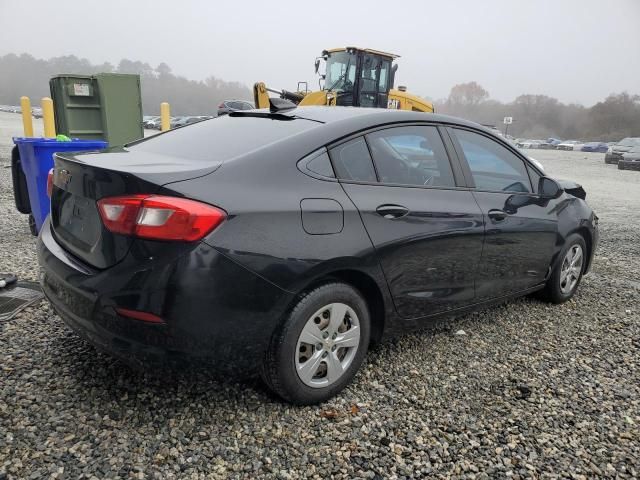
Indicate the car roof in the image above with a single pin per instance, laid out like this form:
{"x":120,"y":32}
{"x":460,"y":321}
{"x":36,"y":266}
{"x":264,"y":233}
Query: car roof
{"x":374,"y":116}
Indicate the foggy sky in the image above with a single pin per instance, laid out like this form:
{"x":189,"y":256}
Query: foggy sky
{"x":575,"y":50}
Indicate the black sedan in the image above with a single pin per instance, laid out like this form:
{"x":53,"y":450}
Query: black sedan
{"x":287,"y":241}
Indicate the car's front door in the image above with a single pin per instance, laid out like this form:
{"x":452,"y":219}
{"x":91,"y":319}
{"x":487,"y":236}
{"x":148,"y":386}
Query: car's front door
{"x":521,"y":228}
{"x":427,"y":231}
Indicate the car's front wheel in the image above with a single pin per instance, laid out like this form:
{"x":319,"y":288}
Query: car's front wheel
{"x":567,"y":274}
{"x":320,"y":346}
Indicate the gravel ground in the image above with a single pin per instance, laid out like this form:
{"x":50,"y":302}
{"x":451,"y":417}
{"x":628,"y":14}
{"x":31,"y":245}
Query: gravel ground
{"x":529,"y":389}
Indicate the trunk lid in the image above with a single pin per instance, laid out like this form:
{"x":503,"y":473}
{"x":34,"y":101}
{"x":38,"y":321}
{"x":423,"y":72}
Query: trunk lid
{"x":148,"y":166}
{"x":82,"y":179}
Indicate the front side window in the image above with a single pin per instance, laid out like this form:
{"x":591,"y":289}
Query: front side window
{"x":352,"y":161}
{"x":493,"y":167}
{"x":412,"y":155}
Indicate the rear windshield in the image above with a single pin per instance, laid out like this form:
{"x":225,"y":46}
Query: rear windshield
{"x":221,"y":138}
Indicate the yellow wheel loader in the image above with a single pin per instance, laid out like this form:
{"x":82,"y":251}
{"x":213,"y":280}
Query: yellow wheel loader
{"x":353,"y":77}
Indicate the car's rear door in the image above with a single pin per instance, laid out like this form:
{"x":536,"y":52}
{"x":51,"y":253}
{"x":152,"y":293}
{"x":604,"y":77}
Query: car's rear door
{"x":426,"y":228}
{"x":521,"y":228}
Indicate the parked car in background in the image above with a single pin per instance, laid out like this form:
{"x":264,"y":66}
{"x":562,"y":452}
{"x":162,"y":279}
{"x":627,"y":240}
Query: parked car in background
{"x":614,"y":153}
{"x":530,"y":143}
{"x":182,"y":121}
{"x":233,"y":106}
{"x":570,"y":145}
{"x":36,"y":112}
{"x":150,"y":121}
{"x":600,"y":147}
{"x":550,"y":143}
{"x":175,"y":121}
{"x":630,"y":160}
{"x":287,"y":242}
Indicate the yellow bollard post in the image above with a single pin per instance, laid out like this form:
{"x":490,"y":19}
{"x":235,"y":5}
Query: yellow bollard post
{"x":27,"y":119}
{"x":165,"y":115}
{"x":48,"y":119}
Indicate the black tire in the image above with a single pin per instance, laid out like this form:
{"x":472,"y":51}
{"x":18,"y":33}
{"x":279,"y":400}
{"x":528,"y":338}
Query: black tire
{"x":32,"y":225}
{"x":552,"y":291}
{"x":279,"y":370}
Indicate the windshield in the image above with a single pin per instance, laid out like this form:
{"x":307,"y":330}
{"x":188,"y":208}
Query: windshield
{"x":340,"y":72}
{"x":221,"y":138}
{"x":629,"y":142}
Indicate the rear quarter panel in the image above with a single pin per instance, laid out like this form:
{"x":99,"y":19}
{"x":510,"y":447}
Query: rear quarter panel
{"x":261,"y":194}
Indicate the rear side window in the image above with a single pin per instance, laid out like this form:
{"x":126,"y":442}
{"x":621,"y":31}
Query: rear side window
{"x":493,"y":166}
{"x":411,"y":156}
{"x":352,"y":161}
{"x":221,"y":138}
{"x":321,"y":165}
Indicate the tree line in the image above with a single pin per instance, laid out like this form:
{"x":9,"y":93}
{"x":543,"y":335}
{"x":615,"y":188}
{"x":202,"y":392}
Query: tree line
{"x":535,"y":116}
{"x":541,"y":116}
{"x":26,"y":75}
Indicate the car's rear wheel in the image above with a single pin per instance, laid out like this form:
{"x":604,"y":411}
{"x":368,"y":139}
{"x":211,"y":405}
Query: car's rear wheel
{"x":320,"y":346}
{"x":567,"y":273}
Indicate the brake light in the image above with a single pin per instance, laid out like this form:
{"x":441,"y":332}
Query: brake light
{"x":50,"y":182}
{"x":159,"y":217}
{"x":222,"y":105}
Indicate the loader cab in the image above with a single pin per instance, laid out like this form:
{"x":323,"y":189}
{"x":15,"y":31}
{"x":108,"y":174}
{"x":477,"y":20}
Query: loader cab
{"x":358,"y":77}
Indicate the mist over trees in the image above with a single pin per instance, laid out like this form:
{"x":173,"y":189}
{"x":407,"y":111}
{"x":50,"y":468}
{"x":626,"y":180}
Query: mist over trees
{"x":541,"y":116}
{"x":535,"y":116}
{"x":26,"y":75}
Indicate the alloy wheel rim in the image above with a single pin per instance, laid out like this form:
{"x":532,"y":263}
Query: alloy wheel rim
{"x":327,"y":345}
{"x":571,"y":269}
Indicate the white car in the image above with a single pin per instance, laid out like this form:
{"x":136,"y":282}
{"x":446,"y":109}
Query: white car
{"x":570,"y":145}
{"x":530,"y":143}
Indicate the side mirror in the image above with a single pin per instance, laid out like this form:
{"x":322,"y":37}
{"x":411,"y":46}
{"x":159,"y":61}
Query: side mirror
{"x":549,"y":188}
{"x":317,"y":64}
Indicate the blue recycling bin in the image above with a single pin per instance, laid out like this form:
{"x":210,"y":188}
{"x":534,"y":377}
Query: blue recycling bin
{"x":36,"y":158}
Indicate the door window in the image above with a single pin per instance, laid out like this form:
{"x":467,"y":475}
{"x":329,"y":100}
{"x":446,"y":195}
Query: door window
{"x":493,"y":167}
{"x":352,"y":161}
{"x":411,"y":156}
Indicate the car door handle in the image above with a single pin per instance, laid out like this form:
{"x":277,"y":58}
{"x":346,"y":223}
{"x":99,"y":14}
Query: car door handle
{"x":497,"y":215}
{"x":392,"y":211}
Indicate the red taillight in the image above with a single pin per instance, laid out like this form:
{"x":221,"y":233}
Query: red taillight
{"x":138,"y":315}
{"x":222,"y":105}
{"x":50,"y":183}
{"x":159,"y":217}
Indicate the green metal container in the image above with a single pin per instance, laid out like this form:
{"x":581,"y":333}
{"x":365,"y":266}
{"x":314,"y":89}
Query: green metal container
{"x":105,"y":106}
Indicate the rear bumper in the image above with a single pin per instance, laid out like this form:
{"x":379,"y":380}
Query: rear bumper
{"x":628,"y":165}
{"x":212,"y":308}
